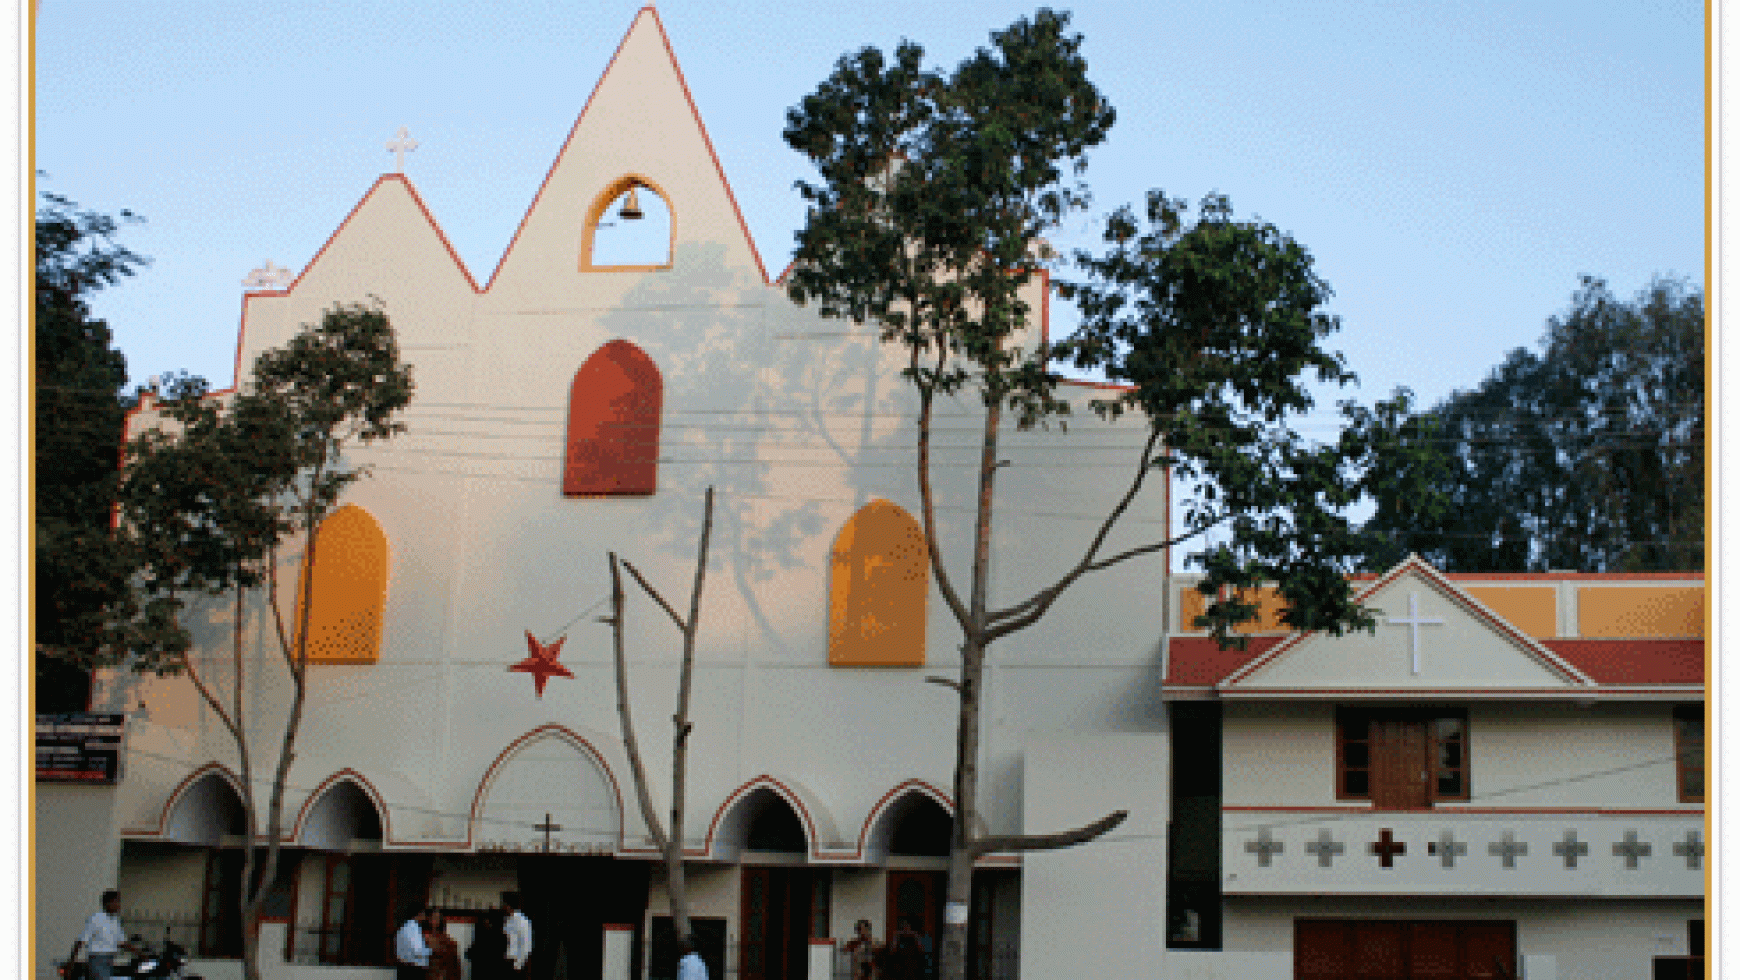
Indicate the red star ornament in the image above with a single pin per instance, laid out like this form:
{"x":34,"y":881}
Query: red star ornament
{"x":542,"y":663}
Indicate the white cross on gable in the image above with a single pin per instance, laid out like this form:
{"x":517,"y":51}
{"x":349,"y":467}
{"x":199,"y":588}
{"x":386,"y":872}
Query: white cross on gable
{"x":1413,"y":622}
{"x":268,"y":276}
{"x":399,"y":144}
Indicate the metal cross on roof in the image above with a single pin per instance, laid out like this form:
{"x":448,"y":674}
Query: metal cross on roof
{"x":1263,"y":847}
{"x":1448,"y":849}
{"x":1325,"y":847}
{"x":1692,"y":849}
{"x":1570,"y":848}
{"x":400,"y":144}
{"x":1508,"y":849}
{"x":1413,"y":623}
{"x":1631,"y":849}
{"x":268,"y":276}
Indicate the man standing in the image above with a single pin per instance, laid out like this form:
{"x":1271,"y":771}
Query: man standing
{"x":518,"y":929}
{"x":691,"y":966}
{"x":102,"y":938}
{"x":410,"y":949}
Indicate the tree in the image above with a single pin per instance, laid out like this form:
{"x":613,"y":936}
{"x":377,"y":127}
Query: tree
{"x":935,"y":189}
{"x":78,"y":425}
{"x":1587,"y":456}
{"x":669,"y":840}
{"x":210,"y":506}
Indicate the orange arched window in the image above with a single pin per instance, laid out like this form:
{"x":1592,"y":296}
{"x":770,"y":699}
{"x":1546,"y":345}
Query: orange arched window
{"x":879,"y":584}
{"x":613,"y":424}
{"x":349,"y":589}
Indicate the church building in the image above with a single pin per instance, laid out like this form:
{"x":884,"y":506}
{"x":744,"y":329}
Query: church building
{"x":1509,"y":771}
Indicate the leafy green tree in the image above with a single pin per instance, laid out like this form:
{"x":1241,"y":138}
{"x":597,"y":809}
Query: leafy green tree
{"x":210,"y":504}
{"x":935,"y":190}
{"x":1588,"y":456}
{"x":78,"y":420}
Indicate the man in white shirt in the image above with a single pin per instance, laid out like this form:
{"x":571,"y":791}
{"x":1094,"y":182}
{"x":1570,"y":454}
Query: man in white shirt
{"x":691,"y":966}
{"x":410,"y":949}
{"x":518,"y":929}
{"x":102,"y":938}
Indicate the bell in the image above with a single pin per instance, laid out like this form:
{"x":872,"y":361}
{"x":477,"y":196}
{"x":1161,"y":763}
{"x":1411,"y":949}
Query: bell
{"x":631,"y":207}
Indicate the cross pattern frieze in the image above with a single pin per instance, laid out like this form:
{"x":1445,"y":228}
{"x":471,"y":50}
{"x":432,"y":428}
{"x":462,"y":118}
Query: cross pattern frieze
{"x":1692,"y":849}
{"x":1632,"y":850}
{"x":1326,"y":848}
{"x":1570,"y":848}
{"x":1264,"y":847}
{"x":1508,"y":849}
{"x":1447,"y":848}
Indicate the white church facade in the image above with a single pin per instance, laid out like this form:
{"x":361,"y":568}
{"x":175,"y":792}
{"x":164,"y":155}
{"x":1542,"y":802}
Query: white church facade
{"x":461,"y":737}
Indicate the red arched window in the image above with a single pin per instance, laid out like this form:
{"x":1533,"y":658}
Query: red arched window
{"x":613,"y":424}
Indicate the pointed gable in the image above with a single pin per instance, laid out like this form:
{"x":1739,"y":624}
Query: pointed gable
{"x":641,"y":124}
{"x":388,"y":247}
{"x":1432,"y":637}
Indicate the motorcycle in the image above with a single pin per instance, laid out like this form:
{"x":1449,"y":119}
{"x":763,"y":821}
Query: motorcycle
{"x":166,"y":962}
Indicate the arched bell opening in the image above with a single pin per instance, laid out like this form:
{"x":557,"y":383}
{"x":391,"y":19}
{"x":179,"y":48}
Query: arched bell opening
{"x":630,"y":227}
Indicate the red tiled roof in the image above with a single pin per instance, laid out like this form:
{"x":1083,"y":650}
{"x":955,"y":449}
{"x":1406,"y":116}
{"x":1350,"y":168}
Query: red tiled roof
{"x":1195,"y":661}
{"x":1635,"y":661}
{"x":1198,"y":660}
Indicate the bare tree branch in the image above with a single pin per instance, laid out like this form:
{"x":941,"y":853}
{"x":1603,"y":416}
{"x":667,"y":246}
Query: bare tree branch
{"x":654,"y":594}
{"x":629,"y":742}
{"x":1049,"y":842}
{"x":927,"y":502}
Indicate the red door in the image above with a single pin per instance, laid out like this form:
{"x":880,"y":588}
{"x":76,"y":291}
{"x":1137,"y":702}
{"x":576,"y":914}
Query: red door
{"x":1332,"y":949}
{"x":917,"y":897}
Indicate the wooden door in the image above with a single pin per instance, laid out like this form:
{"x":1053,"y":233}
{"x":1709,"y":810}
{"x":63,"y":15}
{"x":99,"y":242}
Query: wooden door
{"x":917,"y":897}
{"x":1334,"y":949}
{"x":777,"y":907}
{"x":1401,"y":768}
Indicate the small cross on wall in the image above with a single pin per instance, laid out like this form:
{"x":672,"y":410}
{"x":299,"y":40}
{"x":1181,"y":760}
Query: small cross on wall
{"x":1386,"y":847}
{"x":548,"y":827}
{"x":1631,"y":849}
{"x":1571,"y":849}
{"x":1447,"y":848}
{"x":1326,"y":848}
{"x":1508,"y":849}
{"x":1263,"y":847}
{"x":1692,"y":849}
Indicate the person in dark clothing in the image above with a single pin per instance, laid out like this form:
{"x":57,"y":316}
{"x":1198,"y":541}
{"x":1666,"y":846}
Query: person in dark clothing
{"x":488,"y":949}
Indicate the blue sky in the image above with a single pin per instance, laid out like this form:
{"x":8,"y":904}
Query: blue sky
{"x":1453,"y":166}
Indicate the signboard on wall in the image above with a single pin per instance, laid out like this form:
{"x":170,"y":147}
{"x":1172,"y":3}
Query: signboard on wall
{"x":81,"y":747}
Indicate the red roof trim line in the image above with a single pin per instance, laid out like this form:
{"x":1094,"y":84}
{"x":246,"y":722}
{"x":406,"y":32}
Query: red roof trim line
{"x":547,"y":730}
{"x":380,"y":182}
{"x":1448,"y":809}
{"x":708,"y":140}
{"x":575,"y":130}
{"x":572,"y":132}
{"x":1449,"y":591}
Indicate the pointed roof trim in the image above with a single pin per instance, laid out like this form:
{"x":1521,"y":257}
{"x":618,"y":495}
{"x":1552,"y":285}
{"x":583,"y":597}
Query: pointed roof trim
{"x":574,"y":130}
{"x":416,"y":199}
{"x":1474,"y":607}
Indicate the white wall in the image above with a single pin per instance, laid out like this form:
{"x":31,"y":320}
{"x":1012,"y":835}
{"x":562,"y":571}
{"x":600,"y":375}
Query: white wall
{"x":76,"y":854}
{"x":1105,"y":900}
